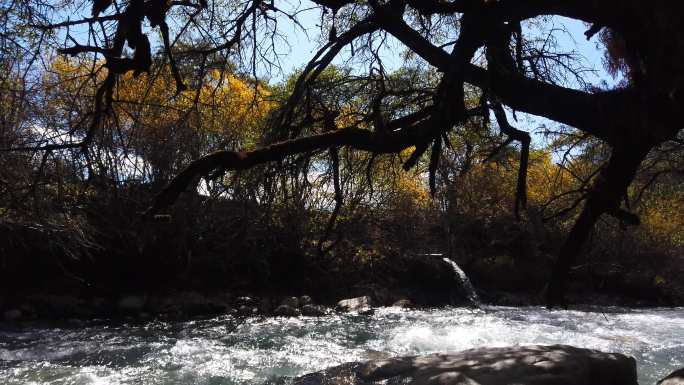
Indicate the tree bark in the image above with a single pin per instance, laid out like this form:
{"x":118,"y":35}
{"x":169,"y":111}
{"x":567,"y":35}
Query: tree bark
{"x":604,"y":198}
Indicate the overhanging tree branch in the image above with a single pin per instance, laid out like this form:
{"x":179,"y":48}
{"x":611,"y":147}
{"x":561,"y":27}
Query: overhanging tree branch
{"x":591,"y":113}
{"x":352,"y":137}
{"x":524,"y":139}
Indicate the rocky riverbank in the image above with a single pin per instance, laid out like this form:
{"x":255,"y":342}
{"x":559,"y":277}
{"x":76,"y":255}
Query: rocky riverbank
{"x":191,"y":304}
{"x":181,"y":305}
{"x":431,"y":282}
{"x":420,"y":282}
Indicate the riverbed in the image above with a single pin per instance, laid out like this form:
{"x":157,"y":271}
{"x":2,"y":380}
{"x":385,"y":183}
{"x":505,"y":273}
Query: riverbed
{"x":219,"y":351}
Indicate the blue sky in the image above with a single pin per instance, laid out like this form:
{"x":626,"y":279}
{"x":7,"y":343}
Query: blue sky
{"x":301,"y":49}
{"x":296,"y":49}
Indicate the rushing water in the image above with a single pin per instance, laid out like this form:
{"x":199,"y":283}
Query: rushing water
{"x":465,"y":284}
{"x":204,"y":352}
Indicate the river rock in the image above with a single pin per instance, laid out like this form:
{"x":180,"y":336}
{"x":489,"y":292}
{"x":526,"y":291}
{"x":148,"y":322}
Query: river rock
{"x":292,"y":302}
{"x":187,"y":304}
{"x":528,"y":365}
{"x":305,"y":300}
{"x":358,"y":304}
{"x":98,"y":304}
{"x":379,"y":295}
{"x":245,"y":301}
{"x":28,"y":311}
{"x":61,"y":306}
{"x":313,"y":310}
{"x":131,"y":303}
{"x":674,"y":378}
{"x":286,"y":311}
{"x":265,"y":306}
{"x":403,"y":303}
{"x":247,"y":311}
{"x":12,"y":315}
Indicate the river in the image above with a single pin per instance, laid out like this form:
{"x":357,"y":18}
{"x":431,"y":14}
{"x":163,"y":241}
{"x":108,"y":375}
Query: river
{"x":209,"y":351}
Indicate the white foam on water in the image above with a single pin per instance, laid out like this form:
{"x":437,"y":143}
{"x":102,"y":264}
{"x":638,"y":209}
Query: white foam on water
{"x":467,"y":286}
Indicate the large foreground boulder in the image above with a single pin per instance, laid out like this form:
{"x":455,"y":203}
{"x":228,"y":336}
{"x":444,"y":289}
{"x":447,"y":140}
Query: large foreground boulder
{"x":528,"y":365}
{"x":674,"y":378}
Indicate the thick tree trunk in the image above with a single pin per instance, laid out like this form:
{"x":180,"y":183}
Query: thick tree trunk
{"x":555,"y":295}
{"x":605,"y":196}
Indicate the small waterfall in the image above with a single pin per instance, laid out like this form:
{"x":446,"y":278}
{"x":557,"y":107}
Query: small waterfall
{"x":466,"y":285}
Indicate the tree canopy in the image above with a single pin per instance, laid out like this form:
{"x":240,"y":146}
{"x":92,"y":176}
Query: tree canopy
{"x":468,"y":67}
